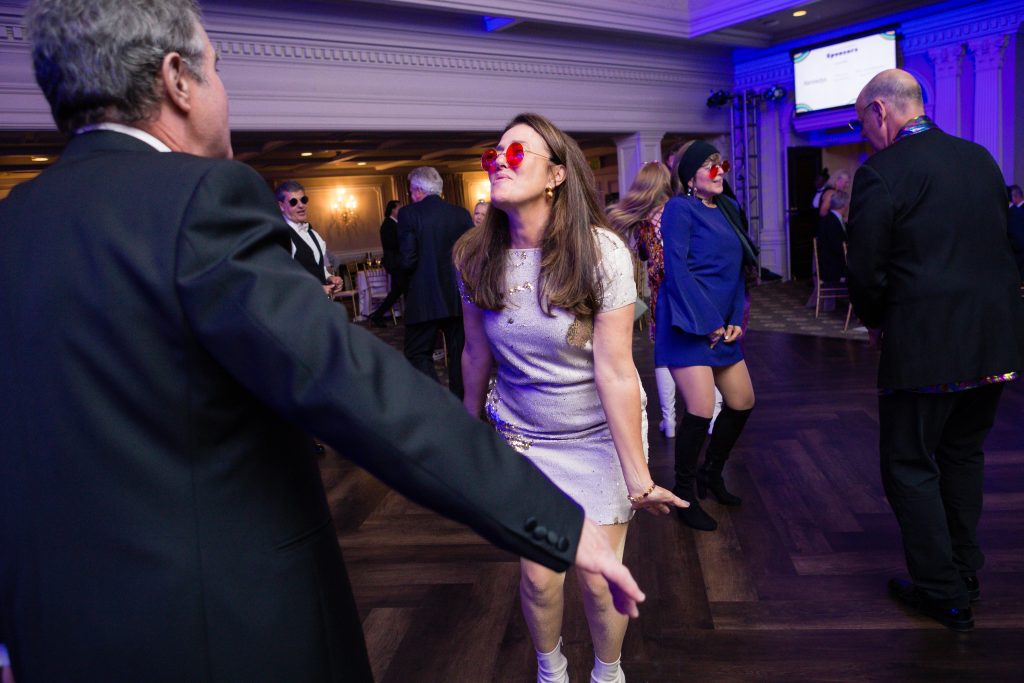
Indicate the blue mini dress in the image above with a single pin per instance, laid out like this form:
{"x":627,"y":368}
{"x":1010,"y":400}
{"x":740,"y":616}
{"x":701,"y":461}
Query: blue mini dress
{"x":703,"y":287}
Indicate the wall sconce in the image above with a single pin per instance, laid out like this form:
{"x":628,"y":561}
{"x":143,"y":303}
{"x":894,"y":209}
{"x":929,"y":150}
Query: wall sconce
{"x":343,"y":209}
{"x":483,"y":191}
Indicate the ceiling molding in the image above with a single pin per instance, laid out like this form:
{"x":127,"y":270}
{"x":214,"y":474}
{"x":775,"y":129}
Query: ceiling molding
{"x":243,"y":48}
{"x":708,"y":16}
{"x":667,"y":18}
{"x":958,"y":26}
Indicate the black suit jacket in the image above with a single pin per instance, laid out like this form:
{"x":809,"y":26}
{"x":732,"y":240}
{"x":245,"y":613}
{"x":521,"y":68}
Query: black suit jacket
{"x":161,"y":515}
{"x":831,"y":236}
{"x":427,"y":230}
{"x":929,"y":262}
{"x":389,"y":243}
{"x":1015,"y":231}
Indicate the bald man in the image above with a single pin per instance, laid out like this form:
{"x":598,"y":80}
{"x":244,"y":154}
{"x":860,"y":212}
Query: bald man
{"x":929,"y":264}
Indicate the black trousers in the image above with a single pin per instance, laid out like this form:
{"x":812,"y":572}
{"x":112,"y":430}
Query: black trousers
{"x":399,"y":283}
{"x":420,"y":339}
{"x":932,"y":466}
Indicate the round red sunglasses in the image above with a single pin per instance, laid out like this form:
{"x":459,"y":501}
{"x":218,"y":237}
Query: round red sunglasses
{"x":514,"y":155}
{"x":714,"y":170}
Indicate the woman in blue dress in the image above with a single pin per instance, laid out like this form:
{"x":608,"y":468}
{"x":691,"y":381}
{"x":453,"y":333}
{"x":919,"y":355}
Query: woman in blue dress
{"x":700,"y":313}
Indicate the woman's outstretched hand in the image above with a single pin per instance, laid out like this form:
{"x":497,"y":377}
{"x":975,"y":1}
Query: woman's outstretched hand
{"x":659,"y":502}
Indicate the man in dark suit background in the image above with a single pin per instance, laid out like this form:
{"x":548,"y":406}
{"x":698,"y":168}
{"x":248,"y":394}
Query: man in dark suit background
{"x":427,"y":230}
{"x":929,"y":265}
{"x":1015,"y":226}
{"x":161,"y":518}
{"x":391,"y":262}
{"x":831,"y":238}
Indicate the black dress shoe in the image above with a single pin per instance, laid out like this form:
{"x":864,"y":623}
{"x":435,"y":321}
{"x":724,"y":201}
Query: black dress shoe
{"x":959,"y":619}
{"x":377,"y":321}
{"x":973,"y":587}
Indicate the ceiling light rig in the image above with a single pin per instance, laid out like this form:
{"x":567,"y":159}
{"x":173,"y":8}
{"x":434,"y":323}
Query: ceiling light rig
{"x":721,"y":98}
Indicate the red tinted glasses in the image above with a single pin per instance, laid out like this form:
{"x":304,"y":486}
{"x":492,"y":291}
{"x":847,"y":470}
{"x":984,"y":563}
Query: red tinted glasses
{"x":514,"y":155}
{"x":715,"y":169}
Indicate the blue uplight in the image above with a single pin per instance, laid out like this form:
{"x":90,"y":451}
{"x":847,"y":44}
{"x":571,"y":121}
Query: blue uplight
{"x":497,"y":23}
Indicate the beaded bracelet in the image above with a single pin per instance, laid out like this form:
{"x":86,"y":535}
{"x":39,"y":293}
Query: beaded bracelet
{"x":636,"y":500}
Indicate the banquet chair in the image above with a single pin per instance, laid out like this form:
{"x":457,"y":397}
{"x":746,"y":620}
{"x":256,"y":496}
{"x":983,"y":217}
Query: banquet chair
{"x":826,"y":291}
{"x":378,"y":283}
{"x":348,"y":290}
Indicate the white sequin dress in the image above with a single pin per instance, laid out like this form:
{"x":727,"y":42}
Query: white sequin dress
{"x":544,"y":401}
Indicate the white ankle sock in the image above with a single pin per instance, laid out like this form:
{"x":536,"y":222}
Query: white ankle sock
{"x":605,"y":672}
{"x":552,"y":667}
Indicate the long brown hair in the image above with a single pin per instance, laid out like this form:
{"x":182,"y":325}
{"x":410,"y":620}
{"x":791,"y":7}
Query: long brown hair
{"x":650,"y":189}
{"x":569,"y":252}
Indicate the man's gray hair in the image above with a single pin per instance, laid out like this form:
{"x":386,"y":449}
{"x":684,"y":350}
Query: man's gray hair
{"x":426,"y":179}
{"x":839,"y":199}
{"x":899,"y":88}
{"x":98,"y":60}
{"x":287,"y":186}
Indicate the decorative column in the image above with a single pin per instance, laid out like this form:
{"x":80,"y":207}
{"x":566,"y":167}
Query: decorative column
{"x":948,"y":61}
{"x":633,"y":152}
{"x":988,"y":93}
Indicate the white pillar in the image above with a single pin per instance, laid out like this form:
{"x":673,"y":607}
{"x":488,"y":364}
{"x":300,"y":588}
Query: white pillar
{"x":988,"y":93}
{"x":634,"y":151}
{"x":948,"y":61}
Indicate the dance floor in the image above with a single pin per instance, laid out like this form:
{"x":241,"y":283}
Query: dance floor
{"x":791,"y":586}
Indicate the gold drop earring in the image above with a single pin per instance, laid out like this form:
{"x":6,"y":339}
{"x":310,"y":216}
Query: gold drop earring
{"x":549,"y":192}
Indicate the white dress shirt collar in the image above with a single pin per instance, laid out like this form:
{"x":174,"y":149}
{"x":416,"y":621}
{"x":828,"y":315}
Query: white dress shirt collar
{"x":297,"y":227}
{"x":126,"y":130}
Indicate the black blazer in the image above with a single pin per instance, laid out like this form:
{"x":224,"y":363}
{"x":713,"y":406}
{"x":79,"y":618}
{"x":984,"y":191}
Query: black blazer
{"x":161,"y":515}
{"x":389,"y":243}
{"x":831,"y":236}
{"x":929,"y":263}
{"x":1015,"y":231}
{"x":427,"y":230}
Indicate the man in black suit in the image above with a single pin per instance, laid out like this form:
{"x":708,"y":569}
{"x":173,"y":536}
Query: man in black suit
{"x":308,"y":248}
{"x":161,"y":518}
{"x":391,"y":262}
{"x":1015,"y":226}
{"x":929,"y":265}
{"x":427,"y":230}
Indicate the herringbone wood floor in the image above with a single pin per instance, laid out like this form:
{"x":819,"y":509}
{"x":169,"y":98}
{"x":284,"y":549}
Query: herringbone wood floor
{"x":791,"y":586}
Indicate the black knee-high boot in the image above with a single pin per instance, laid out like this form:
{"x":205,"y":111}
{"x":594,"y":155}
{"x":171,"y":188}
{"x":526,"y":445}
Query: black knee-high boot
{"x":727,"y":430}
{"x":689,"y":439}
